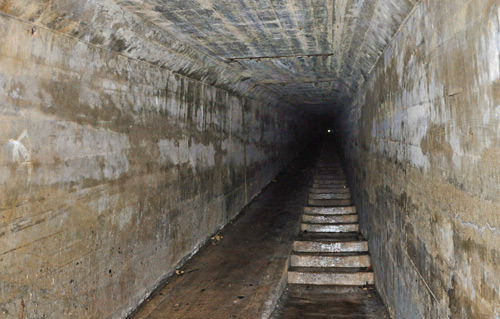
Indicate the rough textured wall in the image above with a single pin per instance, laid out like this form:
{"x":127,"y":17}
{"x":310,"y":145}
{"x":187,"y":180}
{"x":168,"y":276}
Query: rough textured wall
{"x":423,"y":142}
{"x":112,"y":170}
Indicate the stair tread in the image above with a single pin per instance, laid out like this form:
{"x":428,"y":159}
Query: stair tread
{"x":330,"y":236}
{"x":330,"y":196}
{"x":330,"y":269}
{"x":329,"y":228}
{"x":316,"y":219}
{"x":318,"y":202}
{"x":329,"y":241}
{"x":328,"y":224}
{"x":331,"y":278}
{"x":330,"y":173}
{"x":330,"y":254}
{"x":337,"y":190}
{"x":330,"y":170}
{"x":348,"y":207}
{"x":347,"y":201}
{"x":329,"y":215}
{"x":337,"y":246}
{"x":329,"y":182}
{"x":328,"y":185}
{"x":341,"y":210}
{"x":327,"y":205}
{"x":330,"y":193}
{"x":333,"y":190}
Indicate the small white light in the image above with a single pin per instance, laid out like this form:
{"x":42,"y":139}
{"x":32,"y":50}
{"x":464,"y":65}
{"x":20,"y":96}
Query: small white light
{"x":329,"y":131}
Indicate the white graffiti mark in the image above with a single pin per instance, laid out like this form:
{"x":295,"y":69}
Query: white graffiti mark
{"x":20,"y":153}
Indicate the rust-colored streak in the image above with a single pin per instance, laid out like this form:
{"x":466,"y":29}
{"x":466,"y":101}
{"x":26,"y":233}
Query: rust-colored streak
{"x":5,"y":6}
{"x":23,"y":306}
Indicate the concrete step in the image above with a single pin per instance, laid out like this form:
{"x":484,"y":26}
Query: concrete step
{"x":338,"y":190}
{"x":330,"y":219}
{"x":329,"y":202}
{"x":329,"y":177}
{"x":330,"y":172}
{"x":320,"y":276}
{"x":306,"y":259}
{"x":328,"y":166}
{"x":329,"y":181}
{"x":323,"y":185}
{"x":333,"y":173}
{"x":341,"y":270}
{"x":332,"y":165}
{"x":321,"y":172}
{"x":329,"y":186}
{"x":331,"y":237}
{"x":330,"y":210}
{"x":329,"y":228}
{"x":331,"y":195}
{"x":330,"y":246}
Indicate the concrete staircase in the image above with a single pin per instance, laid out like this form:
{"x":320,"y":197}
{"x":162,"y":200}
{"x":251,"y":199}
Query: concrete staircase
{"x":330,"y":249}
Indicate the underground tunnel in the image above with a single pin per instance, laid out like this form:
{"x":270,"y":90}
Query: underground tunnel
{"x":158,"y":158}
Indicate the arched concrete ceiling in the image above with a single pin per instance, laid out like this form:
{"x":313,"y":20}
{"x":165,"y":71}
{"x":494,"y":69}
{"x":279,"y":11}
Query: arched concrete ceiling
{"x":298,"y":51}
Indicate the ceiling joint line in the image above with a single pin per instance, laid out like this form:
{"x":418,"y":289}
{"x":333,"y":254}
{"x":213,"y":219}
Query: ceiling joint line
{"x":389,"y":44}
{"x":258,"y":58}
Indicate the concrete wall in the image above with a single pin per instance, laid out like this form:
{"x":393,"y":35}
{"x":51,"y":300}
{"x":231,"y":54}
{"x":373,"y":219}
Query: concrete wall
{"x":113,"y":169}
{"x":422,"y":142}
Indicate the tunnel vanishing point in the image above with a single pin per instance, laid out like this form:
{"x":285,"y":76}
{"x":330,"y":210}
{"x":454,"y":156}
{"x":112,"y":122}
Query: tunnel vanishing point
{"x":132,"y":132}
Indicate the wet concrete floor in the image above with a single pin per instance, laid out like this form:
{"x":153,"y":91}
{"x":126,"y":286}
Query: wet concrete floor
{"x":241,"y":274}
{"x":330,"y":302}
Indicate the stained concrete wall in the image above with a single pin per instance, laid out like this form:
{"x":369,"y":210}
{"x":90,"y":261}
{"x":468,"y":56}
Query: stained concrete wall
{"x":421,"y":140}
{"x":113,"y":170}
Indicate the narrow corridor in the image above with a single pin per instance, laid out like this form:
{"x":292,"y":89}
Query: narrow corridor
{"x":242,"y":271}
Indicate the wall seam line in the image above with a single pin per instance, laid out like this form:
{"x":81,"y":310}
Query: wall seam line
{"x":398,"y":31}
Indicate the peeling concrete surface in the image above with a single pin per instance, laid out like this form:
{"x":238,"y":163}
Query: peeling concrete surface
{"x":421,"y":140}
